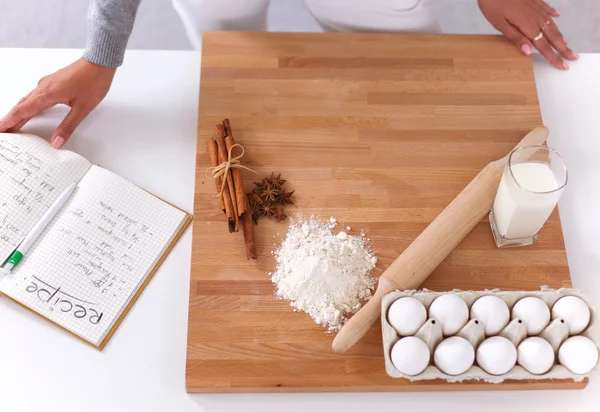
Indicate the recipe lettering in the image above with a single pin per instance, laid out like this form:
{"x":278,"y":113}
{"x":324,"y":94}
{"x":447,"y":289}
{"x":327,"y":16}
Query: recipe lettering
{"x":56,"y":299}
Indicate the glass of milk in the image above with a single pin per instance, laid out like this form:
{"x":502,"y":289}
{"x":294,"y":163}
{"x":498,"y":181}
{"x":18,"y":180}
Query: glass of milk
{"x":533,"y":181}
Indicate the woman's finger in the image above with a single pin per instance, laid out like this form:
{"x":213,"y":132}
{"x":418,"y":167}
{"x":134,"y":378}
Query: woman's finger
{"x":4,"y":122}
{"x":514,"y":35}
{"x":64,"y":131}
{"x":10,"y":120}
{"x":25,"y":97}
{"x":25,"y":110}
{"x":16,"y":128}
{"x":555,"y":38}
{"x":547,"y":8}
{"x":529,"y":24}
{"x":546,"y":50}
{"x":527,"y":20}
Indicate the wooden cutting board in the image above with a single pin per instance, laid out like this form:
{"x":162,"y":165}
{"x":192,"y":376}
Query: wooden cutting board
{"x":380,"y":131}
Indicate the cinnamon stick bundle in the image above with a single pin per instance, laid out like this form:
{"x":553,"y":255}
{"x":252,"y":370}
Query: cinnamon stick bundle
{"x":242,"y":200}
{"x":214,"y":162}
{"x":223,"y":157}
{"x":233,"y":199}
{"x":225,"y":197}
{"x":238,"y":182}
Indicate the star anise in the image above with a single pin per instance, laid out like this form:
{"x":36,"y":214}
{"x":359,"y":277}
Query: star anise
{"x":276,"y":181}
{"x":252,"y":205}
{"x":268,"y":198}
{"x":285,"y":197}
{"x":256,"y":197}
{"x":269,"y":210}
{"x":269,"y":193}
{"x":279,"y":213}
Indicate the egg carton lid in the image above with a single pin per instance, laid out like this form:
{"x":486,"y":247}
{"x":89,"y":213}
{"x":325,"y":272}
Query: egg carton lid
{"x":426,"y":296}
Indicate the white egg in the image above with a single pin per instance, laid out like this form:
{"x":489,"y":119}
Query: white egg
{"x":573,"y":310}
{"x":410,"y":355}
{"x":451,"y":311}
{"x":407,"y":315}
{"x":454,"y":355}
{"x":535,"y":355}
{"x":496,"y":355}
{"x":492,"y":312}
{"x":534,"y":312}
{"x":578,"y":354}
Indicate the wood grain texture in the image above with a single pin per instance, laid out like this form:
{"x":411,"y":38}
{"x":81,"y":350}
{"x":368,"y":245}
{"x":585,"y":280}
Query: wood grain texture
{"x":435,"y":243}
{"x":381,"y":131}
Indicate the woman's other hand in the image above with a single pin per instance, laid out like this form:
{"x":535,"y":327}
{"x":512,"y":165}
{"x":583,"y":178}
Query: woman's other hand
{"x":81,"y":85}
{"x":529,"y":23}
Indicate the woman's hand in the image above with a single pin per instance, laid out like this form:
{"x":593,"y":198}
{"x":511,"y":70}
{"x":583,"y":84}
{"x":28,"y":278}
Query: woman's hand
{"x":522,"y":21}
{"x":81,"y":85}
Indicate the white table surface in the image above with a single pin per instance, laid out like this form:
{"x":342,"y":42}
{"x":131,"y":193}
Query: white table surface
{"x":145,"y":130}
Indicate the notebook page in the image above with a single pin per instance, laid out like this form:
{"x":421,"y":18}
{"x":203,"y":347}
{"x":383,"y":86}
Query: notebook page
{"x":94,"y":255}
{"x":32,"y":175}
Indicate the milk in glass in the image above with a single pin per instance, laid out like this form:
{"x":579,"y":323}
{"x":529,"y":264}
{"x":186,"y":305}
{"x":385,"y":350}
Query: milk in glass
{"x":529,"y":190}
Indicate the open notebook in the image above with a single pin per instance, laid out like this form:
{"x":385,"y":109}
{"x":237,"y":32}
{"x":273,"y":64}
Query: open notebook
{"x":98,"y":253}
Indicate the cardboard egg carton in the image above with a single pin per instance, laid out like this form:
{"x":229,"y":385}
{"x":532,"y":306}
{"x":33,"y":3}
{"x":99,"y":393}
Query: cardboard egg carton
{"x":553,"y":335}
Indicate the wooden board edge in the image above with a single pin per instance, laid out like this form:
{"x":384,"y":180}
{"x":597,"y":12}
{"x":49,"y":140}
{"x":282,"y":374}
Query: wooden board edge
{"x":221,"y":35}
{"x":435,"y":386}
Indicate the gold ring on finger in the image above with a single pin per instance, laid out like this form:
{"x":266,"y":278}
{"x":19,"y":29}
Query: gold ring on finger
{"x":546,"y":24}
{"x":538,"y":37}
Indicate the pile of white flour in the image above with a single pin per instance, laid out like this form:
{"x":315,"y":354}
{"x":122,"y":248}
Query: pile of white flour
{"x":323,"y":274}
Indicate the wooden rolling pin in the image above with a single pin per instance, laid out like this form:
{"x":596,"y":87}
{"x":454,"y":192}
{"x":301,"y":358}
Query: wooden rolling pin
{"x":436,"y":242}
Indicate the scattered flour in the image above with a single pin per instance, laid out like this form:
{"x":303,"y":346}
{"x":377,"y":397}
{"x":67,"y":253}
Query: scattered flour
{"x":332,"y":223}
{"x":323,"y":274}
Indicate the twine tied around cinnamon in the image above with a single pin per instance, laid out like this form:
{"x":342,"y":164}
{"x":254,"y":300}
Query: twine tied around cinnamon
{"x":230,"y":163}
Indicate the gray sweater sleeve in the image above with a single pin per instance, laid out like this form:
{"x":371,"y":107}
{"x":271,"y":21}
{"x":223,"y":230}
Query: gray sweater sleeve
{"x":109,"y":25}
